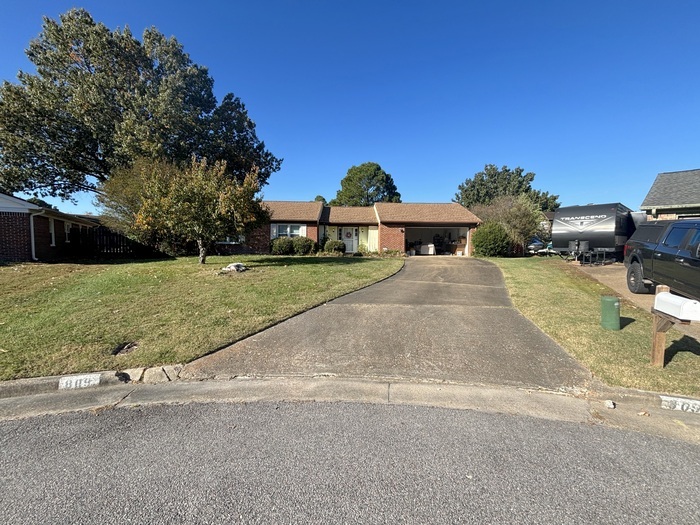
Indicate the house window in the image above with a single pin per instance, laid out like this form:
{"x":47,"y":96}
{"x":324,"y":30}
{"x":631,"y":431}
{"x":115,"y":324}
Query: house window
{"x":52,"y":232}
{"x":290,"y":230}
{"x":67,"y":227}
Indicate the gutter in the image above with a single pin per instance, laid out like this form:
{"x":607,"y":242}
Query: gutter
{"x":31,"y":232}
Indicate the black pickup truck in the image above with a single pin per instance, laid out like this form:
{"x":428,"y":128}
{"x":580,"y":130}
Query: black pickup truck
{"x":665,"y":252}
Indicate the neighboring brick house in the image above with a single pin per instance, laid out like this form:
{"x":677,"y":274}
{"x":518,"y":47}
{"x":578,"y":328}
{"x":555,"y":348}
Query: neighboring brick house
{"x":31,"y":233}
{"x":423,"y":228}
{"x":674,"y":195}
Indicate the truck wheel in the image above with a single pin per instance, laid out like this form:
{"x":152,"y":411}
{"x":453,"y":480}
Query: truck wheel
{"x":635,"y":279}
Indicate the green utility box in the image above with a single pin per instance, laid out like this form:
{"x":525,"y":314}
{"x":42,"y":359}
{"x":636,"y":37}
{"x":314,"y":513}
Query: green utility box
{"x":610,"y":312}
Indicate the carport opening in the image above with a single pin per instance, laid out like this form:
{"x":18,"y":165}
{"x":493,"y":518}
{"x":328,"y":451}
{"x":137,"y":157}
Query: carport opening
{"x":444,"y":240}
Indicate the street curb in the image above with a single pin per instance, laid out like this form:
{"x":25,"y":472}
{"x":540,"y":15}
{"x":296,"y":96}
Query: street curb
{"x":44,"y":385}
{"x":170,"y":373}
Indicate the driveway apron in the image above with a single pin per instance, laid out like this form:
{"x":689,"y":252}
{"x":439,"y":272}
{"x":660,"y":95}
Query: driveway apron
{"x":438,"y":319}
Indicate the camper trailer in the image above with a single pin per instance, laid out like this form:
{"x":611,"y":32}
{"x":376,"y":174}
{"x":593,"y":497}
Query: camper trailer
{"x":595,"y":228}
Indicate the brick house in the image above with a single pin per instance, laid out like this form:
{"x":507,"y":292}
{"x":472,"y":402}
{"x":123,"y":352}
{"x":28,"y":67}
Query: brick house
{"x":31,"y":233}
{"x":403,"y":227}
{"x":674,"y":195}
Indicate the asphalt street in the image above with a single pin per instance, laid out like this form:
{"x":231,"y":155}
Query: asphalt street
{"x":337,"y":463}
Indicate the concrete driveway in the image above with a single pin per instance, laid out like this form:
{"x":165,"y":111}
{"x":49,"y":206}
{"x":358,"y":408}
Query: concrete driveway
{"x":438,"y":319}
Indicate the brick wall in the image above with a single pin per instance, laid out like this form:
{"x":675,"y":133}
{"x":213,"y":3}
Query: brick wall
{"x":312,"y":232}
{"x":470,"y":245}
{"x":392,"y":237}
{"x":259,"y":239}
{"x":42,"y":240}
{"x":15,"y":239}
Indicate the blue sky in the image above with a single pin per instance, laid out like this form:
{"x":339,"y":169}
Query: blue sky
{"x":596,"y":97}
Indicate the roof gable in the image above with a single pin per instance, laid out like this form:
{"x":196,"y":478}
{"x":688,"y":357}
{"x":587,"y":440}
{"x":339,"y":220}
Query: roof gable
{"x":676,"y":189}
{"x":348,"y":215}
{"x":11,"y":204}
{"x":424,"y":213}
{"x":294,"y":211}
{"x":16,"y":205}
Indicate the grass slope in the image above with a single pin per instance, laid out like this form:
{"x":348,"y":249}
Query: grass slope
{"x":565,"y":303}
{"x":66,"y":318}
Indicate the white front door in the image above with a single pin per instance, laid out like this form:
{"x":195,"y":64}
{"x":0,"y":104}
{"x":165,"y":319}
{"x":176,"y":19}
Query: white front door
{"x":349,"y":235}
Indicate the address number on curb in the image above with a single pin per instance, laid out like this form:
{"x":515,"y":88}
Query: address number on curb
{"x":82,"y":381}
{"x":679,"y":403}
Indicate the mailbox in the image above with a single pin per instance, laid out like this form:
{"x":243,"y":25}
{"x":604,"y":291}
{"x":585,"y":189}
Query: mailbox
{"x":678,"y":307}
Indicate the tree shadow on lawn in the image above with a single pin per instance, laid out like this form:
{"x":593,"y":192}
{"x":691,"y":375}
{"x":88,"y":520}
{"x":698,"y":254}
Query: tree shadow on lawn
{"x":684,"y":344}
{"x":105,"y":261}
{"x":305,"y":261}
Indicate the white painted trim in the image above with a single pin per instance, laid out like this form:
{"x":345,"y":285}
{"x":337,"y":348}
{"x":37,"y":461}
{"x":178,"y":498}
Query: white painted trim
{"x":52,"y":231}
{"x":31,"y":232}
{"x":11,"y":204}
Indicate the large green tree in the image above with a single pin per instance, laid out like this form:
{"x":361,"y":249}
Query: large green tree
{"x":519,"y":216}
{"x":100,"y":99}
{"x":488,"y":185}
{"x":364,"y":185}
{"x":156,"y":201}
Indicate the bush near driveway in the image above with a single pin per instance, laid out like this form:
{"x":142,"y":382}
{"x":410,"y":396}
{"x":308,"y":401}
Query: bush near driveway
{"x":491,"y":240}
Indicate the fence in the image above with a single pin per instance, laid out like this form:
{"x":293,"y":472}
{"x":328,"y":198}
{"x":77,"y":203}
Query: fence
{"x":102,"y":243}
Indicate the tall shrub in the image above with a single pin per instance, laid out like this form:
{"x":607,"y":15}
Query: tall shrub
{"x":491,"y":240}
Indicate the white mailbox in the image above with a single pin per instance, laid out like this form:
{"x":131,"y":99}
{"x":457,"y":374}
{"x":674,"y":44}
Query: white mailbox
{"x":679,"y":307}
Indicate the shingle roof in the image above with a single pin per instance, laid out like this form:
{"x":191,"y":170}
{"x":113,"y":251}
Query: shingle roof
{"x":293,"y":211}
{"x":15,"y":204}
{"x":388,"y":212}
{"x":415,"y":213}
{"x":676,"y":189}
{"x":348,"y":215}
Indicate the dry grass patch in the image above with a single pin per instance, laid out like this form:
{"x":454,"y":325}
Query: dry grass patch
{"x":565,"y":303}
{"x":66,"y":318}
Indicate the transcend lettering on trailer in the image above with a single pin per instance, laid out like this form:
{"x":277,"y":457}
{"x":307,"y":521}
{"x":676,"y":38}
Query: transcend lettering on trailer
{"x":584,"y":218}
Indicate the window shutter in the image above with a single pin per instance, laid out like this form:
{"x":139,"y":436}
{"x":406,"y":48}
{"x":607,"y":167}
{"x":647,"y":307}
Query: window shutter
{"x":273,"y":231}
{"x":302,"y":230}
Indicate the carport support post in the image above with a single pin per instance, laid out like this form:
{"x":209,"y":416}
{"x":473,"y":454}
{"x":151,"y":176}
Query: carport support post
{"x":660,"y":326}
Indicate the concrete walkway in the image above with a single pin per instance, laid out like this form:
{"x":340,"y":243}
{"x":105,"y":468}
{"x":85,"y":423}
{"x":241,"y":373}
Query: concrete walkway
{"x":439,"y":319}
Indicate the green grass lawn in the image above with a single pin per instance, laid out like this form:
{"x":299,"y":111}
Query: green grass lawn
{"x":565,"y":303}
{"x":66,"y":318}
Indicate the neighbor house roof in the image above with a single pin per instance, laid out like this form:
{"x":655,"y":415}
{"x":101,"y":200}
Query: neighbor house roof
{"x":676,"y":189}
{"x":348,"y":215}
{"x":8,"y":203}
{"x":294,"y":211}
{"x":418,"y":213}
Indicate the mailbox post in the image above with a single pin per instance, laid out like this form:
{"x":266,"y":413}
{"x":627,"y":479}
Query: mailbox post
{"x":668,"y":310}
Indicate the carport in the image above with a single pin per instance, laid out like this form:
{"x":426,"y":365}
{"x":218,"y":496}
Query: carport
{"x":428,"y":229}
{"x":443,"y":239}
